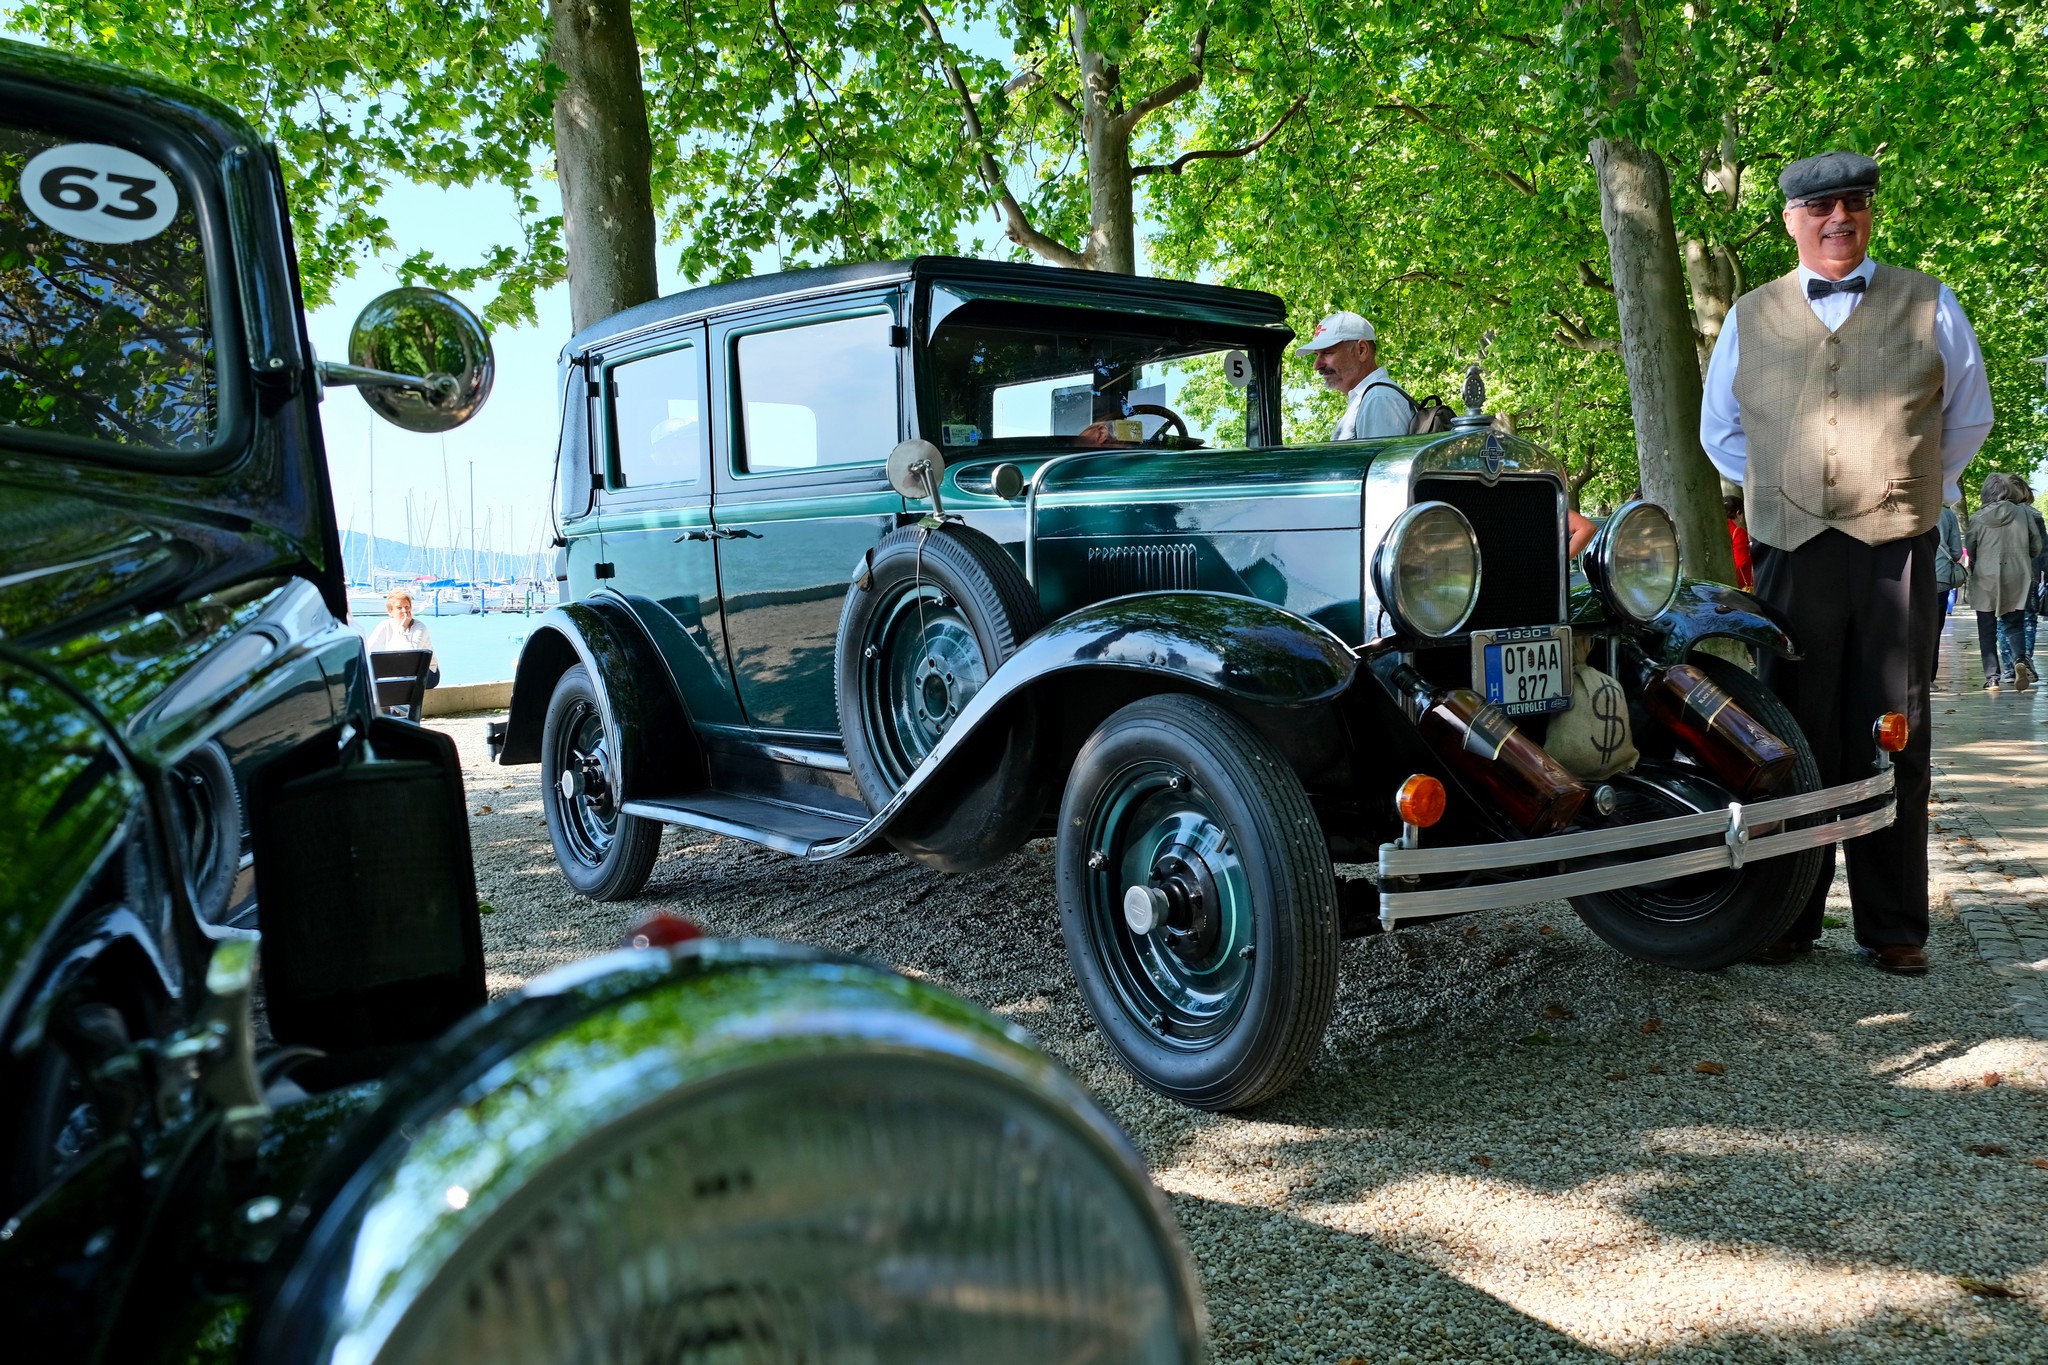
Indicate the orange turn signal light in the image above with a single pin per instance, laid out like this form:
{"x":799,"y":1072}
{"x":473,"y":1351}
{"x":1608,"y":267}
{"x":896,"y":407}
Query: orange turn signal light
{"x":1891,"y":731}
{"x":1421,"y":801}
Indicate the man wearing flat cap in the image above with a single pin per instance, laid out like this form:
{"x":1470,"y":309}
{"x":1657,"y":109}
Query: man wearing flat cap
{"x":1846,"y":399}
{"x":1346,"y":352}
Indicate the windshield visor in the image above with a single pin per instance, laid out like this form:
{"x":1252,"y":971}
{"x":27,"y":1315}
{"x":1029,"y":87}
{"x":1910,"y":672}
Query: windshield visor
{"x":1076,"y":379}
{"x":106,"y":321}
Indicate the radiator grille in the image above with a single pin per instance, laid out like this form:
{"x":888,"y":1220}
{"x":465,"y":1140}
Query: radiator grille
{"x":1112,"y":572}
{"x":1521,"y":547}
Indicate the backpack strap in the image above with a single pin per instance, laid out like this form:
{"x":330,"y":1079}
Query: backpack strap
{"x":1390,"y":384}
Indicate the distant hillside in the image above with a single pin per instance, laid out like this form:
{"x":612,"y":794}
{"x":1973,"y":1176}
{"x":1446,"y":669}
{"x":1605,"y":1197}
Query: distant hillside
{"x":395,"y":558}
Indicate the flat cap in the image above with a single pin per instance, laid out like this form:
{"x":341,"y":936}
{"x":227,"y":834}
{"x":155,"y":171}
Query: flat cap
{"x":1828,"y":173}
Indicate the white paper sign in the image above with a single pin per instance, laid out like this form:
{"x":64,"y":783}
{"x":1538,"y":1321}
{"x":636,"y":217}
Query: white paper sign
{"x":1237,"y":368}
{"x":98,"y":193}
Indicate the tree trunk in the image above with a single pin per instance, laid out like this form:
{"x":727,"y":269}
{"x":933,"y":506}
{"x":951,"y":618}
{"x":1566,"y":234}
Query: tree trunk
{"x":1716,"y":279}
{"x":1657,"y":349}
{"x":1112,"y":242}
{"x":603,"y":158}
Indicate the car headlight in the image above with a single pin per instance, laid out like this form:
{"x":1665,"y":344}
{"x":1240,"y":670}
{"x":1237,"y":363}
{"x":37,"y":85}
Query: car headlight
{"x":1426,"y":569}
{"x":1633,"y":562}
{"x":791,"y":1160}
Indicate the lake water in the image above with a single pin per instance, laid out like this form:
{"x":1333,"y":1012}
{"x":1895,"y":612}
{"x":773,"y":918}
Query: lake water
{"x":470,"y":648}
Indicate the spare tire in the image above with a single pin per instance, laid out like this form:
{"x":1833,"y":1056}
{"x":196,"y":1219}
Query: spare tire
{"x":937,"y":612}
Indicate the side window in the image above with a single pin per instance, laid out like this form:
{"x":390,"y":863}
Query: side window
{"x":818,"y":395}
{"x":658,"y":419}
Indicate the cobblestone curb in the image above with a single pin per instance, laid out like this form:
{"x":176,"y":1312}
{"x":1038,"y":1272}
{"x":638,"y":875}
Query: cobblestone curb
{"x":1998,"y":894}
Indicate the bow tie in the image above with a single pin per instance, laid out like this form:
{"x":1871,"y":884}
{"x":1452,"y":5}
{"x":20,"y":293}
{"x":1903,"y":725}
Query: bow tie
{"x":1820,"y":289}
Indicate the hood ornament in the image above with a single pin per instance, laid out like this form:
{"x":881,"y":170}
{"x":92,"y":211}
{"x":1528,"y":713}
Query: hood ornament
{"x":1475,"y":417}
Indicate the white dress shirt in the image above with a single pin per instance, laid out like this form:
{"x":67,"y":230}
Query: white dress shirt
{"x":1374,"y":412}
{"x":1965,"y":391}
{"x":389,"y":638}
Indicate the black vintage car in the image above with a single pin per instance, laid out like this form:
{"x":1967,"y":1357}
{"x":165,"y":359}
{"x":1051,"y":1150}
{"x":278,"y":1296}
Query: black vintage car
{"x":947,"y":554}
{"x":680,"y":1151}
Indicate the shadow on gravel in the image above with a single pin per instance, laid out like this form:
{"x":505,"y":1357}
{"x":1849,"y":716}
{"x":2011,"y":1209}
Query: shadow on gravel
{"x":1515,"y":1144}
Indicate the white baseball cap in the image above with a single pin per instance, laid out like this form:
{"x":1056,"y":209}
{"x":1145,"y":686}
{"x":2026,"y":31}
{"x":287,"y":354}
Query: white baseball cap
{"x":1335,"y":328}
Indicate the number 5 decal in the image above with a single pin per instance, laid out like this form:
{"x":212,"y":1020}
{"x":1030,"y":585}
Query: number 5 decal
{"x":1237,"y":368}
{"x":96,"y":193}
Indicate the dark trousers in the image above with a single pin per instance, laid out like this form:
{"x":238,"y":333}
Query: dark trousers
{"x":1997,"y":639}
{"x":1864,"y":619}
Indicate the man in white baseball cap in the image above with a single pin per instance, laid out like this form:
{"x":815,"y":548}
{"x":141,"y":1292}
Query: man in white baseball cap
{"x":1347,"y":357}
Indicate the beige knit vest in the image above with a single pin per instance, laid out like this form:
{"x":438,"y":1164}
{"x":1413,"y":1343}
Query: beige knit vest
{"x":1844,"y":427}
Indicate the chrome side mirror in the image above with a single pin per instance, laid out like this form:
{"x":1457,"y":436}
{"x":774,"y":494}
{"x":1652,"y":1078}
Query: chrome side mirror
{"x":421,"y":360}
{"x":916,"y":469}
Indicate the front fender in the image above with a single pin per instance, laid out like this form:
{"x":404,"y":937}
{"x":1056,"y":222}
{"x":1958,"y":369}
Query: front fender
{"x":526,"y":1100}
{"x":625,"y":668}
{"x":1236,"y":647}
{"x":1702,"y":610}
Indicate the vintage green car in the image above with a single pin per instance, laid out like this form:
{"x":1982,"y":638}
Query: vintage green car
{"x":947,"y":555}
{"x":339,"y":1151}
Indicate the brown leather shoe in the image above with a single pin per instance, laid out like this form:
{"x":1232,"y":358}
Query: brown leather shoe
{"x":1781,"y":951}
{"x":1900,"y":959}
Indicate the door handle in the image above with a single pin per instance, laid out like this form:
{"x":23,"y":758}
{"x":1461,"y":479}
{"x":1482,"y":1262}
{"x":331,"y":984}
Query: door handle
{"x":718,"y":533}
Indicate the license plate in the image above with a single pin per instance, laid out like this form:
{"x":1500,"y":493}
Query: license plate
{"x":1527,"y":671}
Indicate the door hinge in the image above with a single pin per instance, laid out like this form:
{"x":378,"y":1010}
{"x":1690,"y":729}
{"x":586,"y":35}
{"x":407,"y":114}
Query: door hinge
{"x":899,"y":335}
{"x":604,"y":569}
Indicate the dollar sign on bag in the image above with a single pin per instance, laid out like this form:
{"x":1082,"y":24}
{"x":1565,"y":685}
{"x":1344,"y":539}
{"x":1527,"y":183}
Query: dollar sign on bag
{"x":1607,"y":709}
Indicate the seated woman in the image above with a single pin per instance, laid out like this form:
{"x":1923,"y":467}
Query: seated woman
{"x":401,"y":630}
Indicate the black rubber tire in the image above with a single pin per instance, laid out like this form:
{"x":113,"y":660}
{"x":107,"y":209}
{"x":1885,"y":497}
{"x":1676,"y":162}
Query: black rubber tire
{"x":955,"y":597}
{"x":605,"y":854}
{"x":208,"y":814}
{"x":1755,"y":903}
{"x":1232,"y":783}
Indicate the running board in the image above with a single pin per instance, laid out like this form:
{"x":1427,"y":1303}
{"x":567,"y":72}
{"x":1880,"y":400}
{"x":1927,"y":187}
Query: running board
{"x":786,"y":829}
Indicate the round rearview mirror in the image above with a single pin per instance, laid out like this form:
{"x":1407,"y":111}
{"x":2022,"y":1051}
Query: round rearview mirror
{"x":425,"y":335}
{"x":915,"y":468}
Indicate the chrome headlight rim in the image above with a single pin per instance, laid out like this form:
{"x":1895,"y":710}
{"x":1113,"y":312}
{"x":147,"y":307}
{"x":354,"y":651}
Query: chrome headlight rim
{"x":1601,"y":569}
{"x":1387,"y":563}
{"x":348,"y":1295}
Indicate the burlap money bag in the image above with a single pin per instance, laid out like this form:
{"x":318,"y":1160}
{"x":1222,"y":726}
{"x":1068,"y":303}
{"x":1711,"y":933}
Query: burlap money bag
{"x":1592,"y":739}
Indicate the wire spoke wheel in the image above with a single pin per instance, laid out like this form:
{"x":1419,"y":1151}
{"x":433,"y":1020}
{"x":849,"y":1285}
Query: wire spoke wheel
{"x":936,"y":612}
{"x":922,"y":665}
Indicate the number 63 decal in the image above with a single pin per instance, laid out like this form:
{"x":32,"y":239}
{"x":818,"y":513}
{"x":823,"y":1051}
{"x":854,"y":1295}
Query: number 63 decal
{"x":98,"y":193}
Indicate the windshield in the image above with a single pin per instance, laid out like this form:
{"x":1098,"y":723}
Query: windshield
{"x":1077,"y":379}
{"x":105,"y":331}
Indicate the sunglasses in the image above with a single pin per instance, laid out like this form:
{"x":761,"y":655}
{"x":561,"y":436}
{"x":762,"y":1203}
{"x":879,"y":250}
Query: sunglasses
{"x":1820,"y":206}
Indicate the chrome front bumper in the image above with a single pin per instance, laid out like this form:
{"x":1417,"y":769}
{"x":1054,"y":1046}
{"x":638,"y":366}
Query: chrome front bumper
{"x":1405,"y":871}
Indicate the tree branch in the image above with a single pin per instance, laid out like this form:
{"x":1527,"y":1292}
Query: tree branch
{"x":1167,"y":94}
{"x":1435,"y":278}
{"x":1031,"y":78}
{"x":1577,"y":336}
{"x":1590,"y":278}
{"x":1403,"y":107}
{"x":1017,"y":225}
{"x":1180,"y":163}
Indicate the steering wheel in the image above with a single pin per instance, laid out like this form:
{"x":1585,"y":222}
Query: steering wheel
{"x":1180,"y":426}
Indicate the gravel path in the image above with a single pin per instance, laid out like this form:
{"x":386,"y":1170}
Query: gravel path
{"x":1516,"y":1145}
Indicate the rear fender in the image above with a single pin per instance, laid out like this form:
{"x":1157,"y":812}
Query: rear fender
{"x":1702,"y":610}
{"x":1238,"y":649}
{"x":633,"y":693}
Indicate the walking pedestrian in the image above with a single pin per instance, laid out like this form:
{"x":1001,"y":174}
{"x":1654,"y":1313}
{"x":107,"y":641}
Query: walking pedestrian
{"x":2024,"y":495}
{"x":1949,"y":575}
{"x":1846,"y":397}
{"x":2002,"y":543}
